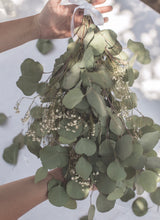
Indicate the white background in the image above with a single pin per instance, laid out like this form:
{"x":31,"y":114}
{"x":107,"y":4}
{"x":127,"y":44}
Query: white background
{"x":130,"y":19}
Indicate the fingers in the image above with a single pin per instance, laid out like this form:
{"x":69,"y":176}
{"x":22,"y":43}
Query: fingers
{"x":97,"y":2}
{"x":104,"y":9}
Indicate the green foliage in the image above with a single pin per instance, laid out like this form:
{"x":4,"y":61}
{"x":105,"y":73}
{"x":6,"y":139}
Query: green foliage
{"x":3,"y":119}
{"x":83,"y":168}
{"x":148,"y":180}
{"x":58,"y":196}
{"x":85,"y":122}
{"x":140,"y":206}
{"x":74,"y":190}
{"x":155,"y":196}
{"x":10,"y":154}
{"x":142,"y":54}
{"x":31,"y":74}
{"x":103,"y":204}
{"x":53,"y":157}
{"x":72,"y":98}
{"x":85,"y":146}
{"x":40,"y":174}
{"x":44,"y":46}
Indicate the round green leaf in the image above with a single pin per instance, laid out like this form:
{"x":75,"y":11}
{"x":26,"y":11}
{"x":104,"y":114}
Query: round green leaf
{"x":116,"y":126}
{"x":110,"y":37}
{"x":28,"y":87}
{"x":96,"y":101}
{"x":58,"y":196}
{"x":71,"y":204}
{"x":129,"y":194}
{"x":115,"y":171}
{"x":124,"y":147}
{"x":40,"y":174}
{"x":10,"y":154}
{"x":52,"y":183}
{"x":83,"y":168}
{"x":19,"y":140}
{"x":149,"y":140}
{"x":140,"y":206}
{"x":155,"y":196}
{"x":106,"y":148}
{"x":44,"y":46}
{"x":98,"y":43}
{"x":85,"y":146}
{"x":33,"y":146}
{"x":3,"y":118}
{"x":105,"y":184}
{"x":148,"y":180}
{"x":88,"y":59}
{"x":74,"y":190}
{"x":54,"y":156}
{"x":152,"y":162}
{"x":91,"y":212}
{"x":72,"y":98}
{"x":71,"y":77}
{"x":103,"y":204}
{"x":31,"y":70}
{"x":116,"y":194}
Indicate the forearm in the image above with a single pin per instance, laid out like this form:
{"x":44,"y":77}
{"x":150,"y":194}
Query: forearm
{"x":19,"y":197}
{"x":17,"y":32}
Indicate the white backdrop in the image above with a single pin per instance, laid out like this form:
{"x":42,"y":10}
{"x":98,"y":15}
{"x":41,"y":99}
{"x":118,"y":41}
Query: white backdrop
{"x":130,"y":19}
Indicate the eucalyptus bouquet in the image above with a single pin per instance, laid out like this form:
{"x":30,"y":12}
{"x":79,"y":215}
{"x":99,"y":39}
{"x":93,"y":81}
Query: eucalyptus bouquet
{"x":88,"y":123}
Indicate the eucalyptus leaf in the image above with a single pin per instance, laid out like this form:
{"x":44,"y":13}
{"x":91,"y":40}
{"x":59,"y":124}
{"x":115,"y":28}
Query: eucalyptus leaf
{"x":88,"y":38}
{"x":83,"y":168}
{"x":149,"y":140}
{"x":58,"y":196}
{"x":85,"y":146}
{"x":88,"y":59}
{"x":103,"y":204}
{"x":36,"y":112}
{"x":152,"y":162}
{"x":98,"y":43}
{"x":155,"y":196}
{"x":72,"y":98}
{"x":124,"y":147}
{"x":54,"y":156}
{"x":140,"y":206}
{"x":91,"y":212}
{"x":116,"y":194}
{"x":52,"y":183}
{"x":10,"y":154}
{"x":115,"y":171}
{"x":19,"y":140}
{"x":33,"y":146}
{"x":110,"y":37}
{"x":71,"y":204}
{"x":3,"y":119}
{"x":40,"y":174}
{"x":116,"y":126}
{"x":129,"y":194}
{"x":74,"y":190}
{"x":138,"y":49}
{"x":95,"y":100}
{"x":148,"y":180}
{"x":31,"y":70}
{"x":28,"y":87}
{"x":107,"y":147}
{"x":44,"y":46}
{"x":104,"y":184}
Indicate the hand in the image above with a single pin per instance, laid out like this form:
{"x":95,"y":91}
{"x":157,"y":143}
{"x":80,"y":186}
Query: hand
{"x":57,"y":174}
{"x":54,"y":20}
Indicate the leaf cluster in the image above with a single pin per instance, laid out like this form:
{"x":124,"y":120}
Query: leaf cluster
{"x":86,"y":119}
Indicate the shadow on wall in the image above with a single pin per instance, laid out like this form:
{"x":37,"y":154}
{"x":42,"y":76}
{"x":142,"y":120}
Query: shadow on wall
{"x":142,"y":24}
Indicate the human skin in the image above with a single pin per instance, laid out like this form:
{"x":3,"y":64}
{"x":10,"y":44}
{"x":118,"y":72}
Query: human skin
{"x":18,"y":197}
{"x":52,"y":23}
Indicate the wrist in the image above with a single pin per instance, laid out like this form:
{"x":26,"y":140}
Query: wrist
{"x":35,"y":28}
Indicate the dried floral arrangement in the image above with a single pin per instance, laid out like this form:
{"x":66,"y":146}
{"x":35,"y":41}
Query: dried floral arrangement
{"x":88,"y":123}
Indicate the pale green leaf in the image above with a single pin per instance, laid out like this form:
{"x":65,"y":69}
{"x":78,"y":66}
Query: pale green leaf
{"x":3,"y":118}
{"x":72,"y":98}
{"x":149,"y":140}
{"x":54,"y":156}
{"x":91,"y":212}
{"x":115,"y":171}
{"x":98,"y":43}
{"x":103,"y":204}
{"x":116,"y":194}
{"x":140,"y":206}
{"x":58,"y":196}
{"x":124,"y":147}
{"x":85,"y":146}
{"x":83,"y":168}
{"x":10,"y":154}
{"x":148,"y":180}
{"x":104,"y":184}
{"x":155,"y":196}
{"x":28,"y":87}
{"x":40,"y":174}
{"x":116,"y":126}
{"x":44,"y":46}
{"x":152,"y":162}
